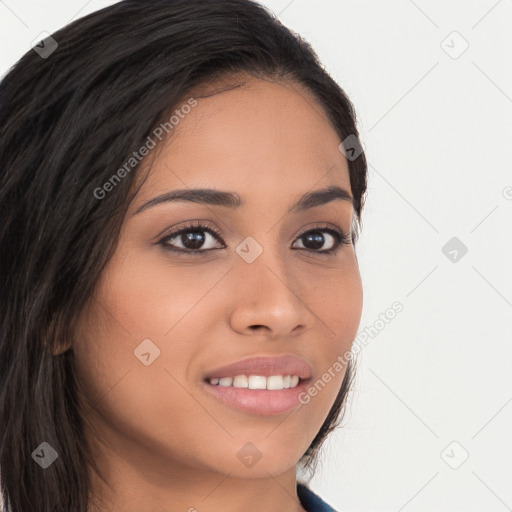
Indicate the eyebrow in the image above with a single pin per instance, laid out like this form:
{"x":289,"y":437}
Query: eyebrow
{"x":233,"y":200}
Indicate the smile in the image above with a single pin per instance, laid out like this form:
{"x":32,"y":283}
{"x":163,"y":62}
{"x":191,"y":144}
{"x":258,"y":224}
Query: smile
{"x":272,"y":382}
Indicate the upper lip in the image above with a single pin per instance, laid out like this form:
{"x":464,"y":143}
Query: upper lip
{"x":264,"y":366}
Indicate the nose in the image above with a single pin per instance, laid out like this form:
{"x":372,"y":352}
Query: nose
{"x":269,"y":300}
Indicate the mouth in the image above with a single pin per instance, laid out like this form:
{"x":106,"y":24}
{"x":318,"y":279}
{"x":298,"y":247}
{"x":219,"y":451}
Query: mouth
{"x":263,"y":385}
{"x":271,"y":382}
{"x":258,"y":394}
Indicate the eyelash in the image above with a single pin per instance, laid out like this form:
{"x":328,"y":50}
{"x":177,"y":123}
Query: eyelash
{"x":341,"y":238}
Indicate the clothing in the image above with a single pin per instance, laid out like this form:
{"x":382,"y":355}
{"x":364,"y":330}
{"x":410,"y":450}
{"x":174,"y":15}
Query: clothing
{"x":310,"y":501}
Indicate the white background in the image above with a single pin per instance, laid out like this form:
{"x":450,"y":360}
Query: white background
{"x":438,"y":133}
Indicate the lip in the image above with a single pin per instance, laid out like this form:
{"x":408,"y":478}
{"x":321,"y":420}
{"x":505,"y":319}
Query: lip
{"x":265,"y":366}
{"x":262,"y":402}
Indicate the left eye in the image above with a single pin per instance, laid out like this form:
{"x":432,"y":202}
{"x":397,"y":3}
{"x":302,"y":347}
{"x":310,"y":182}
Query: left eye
{"x":315,"y":240}
{"x":192,"y":239}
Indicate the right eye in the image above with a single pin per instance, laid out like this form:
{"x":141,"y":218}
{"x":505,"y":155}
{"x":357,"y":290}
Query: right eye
{"x":192,"y":239}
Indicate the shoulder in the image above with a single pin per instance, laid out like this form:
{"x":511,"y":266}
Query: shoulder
{"x":311,"y":501}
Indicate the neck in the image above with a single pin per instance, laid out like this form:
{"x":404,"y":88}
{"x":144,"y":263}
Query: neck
{"x":131,"y":478}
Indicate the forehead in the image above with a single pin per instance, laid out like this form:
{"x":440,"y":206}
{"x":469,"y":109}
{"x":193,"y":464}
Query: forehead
{"x":261,"y":139}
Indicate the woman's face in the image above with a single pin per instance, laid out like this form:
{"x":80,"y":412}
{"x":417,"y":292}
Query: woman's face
{"x":162,"y":320}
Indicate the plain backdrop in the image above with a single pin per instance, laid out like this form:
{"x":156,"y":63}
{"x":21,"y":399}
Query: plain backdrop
{"x":429,"y":423}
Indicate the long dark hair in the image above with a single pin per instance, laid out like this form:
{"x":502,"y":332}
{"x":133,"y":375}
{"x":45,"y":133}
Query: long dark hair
{"x":69,"y":119}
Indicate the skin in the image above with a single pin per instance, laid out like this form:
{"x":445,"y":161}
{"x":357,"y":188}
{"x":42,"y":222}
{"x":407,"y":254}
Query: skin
{"x":161,"y":443}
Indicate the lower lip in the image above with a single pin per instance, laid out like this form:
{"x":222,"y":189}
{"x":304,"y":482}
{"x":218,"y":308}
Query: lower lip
{"x":259,"y":401}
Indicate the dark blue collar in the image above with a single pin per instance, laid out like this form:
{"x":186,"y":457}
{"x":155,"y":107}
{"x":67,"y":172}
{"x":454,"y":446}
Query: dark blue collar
{"x":310,"y":501}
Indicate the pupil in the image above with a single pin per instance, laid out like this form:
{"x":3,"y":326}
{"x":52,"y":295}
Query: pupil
{"x":192,"y":240}
{"x":316,"y":239}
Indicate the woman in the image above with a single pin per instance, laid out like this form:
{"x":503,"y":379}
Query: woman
{"x":181,"y":191}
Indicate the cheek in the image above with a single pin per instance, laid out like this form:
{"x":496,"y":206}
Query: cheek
{"x":145,"y":402}
{"x":336,"y":299}
{"x":337,"y":302}
{"x":151,"y":296}
{"x":132,"y":303}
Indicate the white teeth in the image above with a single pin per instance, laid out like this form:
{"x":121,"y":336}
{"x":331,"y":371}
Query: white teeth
{"x":274,"y":382}
{"x":257,"y":382}
{"x":240,"y":381}
{"x":225,"y":381}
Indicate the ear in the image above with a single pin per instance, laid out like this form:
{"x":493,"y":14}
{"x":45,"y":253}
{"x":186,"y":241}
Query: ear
{"x":60,"y":348}
{"x":55,"y":338}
